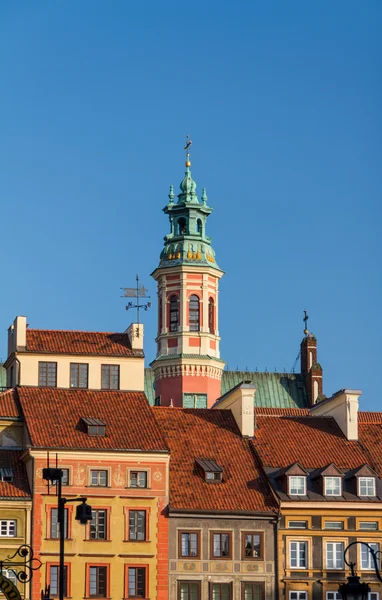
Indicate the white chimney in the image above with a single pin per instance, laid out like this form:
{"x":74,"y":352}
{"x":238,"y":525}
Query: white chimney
{"x":135,"y":333}
{"x":240,"y":400}
{"x":17,"y":335}
{"x":343,"y":407}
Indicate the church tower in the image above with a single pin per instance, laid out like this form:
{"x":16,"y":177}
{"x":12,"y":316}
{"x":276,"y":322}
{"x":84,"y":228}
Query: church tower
{"x":188,"y":367}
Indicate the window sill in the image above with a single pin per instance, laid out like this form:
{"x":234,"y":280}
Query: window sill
{"x":138,"y":541}
{"x":96,"y":540}
{"x":57,"y":539}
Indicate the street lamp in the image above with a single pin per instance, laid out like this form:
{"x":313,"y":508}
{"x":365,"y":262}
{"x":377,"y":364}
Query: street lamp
{"x":354,"y":589}
{"x":83,"y":515}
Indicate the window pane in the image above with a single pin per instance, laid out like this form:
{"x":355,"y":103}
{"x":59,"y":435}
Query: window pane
{"x":297,"y":485}
{"x":54,"y":579}
{"x":369,"y":525}
{"x":54,"y":525}
{"x":47,"y":374}
{"x":194,"y":317}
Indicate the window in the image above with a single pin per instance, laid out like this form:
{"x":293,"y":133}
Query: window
{"x":298,"y":524}
{"x":55,"y":526}
{"x":98,"y":525}
{"x":194,"y":400}
{"x":298,"y":555}
{"x":138,"y":479}
{"x":94,"y":427}
{"x":333,"y":596}
{"x":298,"y":595}
{"x":210,"y":470}
{"x":189,"y":544}
{"x":194,"y":313}
{"x":199,"y":227}
{"x":221,"y":545}
{"x":252,"y":591}
{"x":334,"y":555}
{"x":366,"y":486}
{"x":47,"y":374}
{"x":369,"y":525}
{"x":252,"y":545}
{"x":137,"y":525}
{"x":110,"y":377}
{"x":11,"y":575}
{"x":98,"y":581}
{"x":182,"y":226}
{"x":6,"y":474}
{"x":65,"y":477}
{"x":334,"y":525}
{"x":54,"y":574}
{"x":174,"y":313}
{"x":297,"y":485}
{"x":373,"y":596}
{"x":367,"y":561}
{"x":211,"y":315}
{"x":8,"y":528}
{"x":220,"y":591}
{"x":189,"y":590}
{"x":137,"y":582}
{"x":213,"y":476}
{"x":79,"y":375}
{"x":98,"y":478}
{"x":332,"y":486}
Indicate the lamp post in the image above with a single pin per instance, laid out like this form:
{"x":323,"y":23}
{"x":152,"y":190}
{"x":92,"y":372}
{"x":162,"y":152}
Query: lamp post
{"x":354,"y":589}
{"x":83,"y":515}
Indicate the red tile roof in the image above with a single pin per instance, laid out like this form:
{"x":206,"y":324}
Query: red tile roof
{"x":281,"y":412}
{"x":312,"y":441}
{"x":19,"y":487}
{"x":370,"y":436}
{"x":79,"y":342}
{"x":211,"y":434}
{"x":9,"y":407}
{"x":369,"y":417}
{"x":53,"y":418}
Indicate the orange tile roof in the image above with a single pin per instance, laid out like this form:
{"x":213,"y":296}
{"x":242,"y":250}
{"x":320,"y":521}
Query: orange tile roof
{"x":369,"y":417}
{"x":370,"y":436}
{"x":312,"y":441}
{"x":281,"y":412}
{"x":212,"y":434}
{"x":19,"y":487}
{"x":9,"y":407}
{"x":79,"y":342}
{"x":53,"y":417}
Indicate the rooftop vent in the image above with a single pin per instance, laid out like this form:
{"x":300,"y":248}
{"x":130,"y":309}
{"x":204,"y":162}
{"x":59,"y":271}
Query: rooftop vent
{"x":94,"y":427}
{"x":211,"y":470}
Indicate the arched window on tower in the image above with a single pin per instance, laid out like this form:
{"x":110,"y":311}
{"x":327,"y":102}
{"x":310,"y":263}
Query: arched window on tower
{"x":182,"y":226}
{"x":174,"y":313}
{"x":211,"y":315}
{"x":199,"y":226}
{"x":194,"y":313}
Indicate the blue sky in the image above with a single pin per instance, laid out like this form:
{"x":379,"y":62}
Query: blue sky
{"x":283,"y":103}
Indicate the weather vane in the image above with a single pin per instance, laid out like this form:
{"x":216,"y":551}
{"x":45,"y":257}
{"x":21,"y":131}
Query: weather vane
{"x":187,"y":149}
{"x":305,"y":319}
{"x":138,"y":292}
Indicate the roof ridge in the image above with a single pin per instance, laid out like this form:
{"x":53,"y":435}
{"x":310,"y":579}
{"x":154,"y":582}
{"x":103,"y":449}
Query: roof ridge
{"x":77,"y":331}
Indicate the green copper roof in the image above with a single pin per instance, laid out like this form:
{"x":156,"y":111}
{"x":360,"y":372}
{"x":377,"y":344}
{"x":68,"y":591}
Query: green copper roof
{"x":273,"y":390}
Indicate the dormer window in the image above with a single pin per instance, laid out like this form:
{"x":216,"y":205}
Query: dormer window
{"x":332,"y":486}
{"x":366,"y":486}
{"x":210,"y":469}
{"x":297,"y":485}
{"x":6,"y":474}
{"x":94,"y":427}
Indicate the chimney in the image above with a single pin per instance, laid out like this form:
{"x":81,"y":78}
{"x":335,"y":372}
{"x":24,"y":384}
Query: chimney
{"x":17,"y":335}
{"x":135,"y":333}
{"x":311,"y":370}
{"x":240,"y":400}
{"x":343,"y":407}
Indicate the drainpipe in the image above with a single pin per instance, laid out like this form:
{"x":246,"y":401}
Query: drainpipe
{"x":276,"y":524}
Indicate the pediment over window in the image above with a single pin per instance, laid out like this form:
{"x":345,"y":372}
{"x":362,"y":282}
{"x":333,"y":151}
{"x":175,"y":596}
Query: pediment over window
{"x":294,"y":469}
{"x":328,"y":471}
{"x":210,"y":470}
{"x":362,"y":471}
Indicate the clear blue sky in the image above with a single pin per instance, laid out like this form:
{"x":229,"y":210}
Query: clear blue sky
{"x":283,"y":103}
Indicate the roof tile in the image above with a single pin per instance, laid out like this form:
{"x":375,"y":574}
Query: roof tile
{"x":79,"y":342}
{"x":19,"y":487}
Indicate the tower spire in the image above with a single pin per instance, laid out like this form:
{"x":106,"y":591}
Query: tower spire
{"x":187,"y":149}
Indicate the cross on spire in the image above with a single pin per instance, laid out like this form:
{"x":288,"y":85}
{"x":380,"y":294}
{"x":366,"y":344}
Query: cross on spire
{"x":187,"y":149}
{"x":305,"y":319}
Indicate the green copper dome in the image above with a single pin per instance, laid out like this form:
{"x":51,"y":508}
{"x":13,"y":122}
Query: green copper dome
{"x":187,"y":242}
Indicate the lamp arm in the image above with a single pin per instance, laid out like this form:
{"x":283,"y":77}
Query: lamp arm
{"x":373,"y":554}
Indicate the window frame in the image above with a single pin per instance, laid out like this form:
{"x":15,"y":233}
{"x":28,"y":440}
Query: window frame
{"x":289,"y":526}
{"x":220,"y":583}
{"x":107,"y":580}
{"x":93,"y":485}
{"x":47,"y":363}
{"x":298,"y":592}
{"x":109,"y":367}
{"x":359,"y":487}
{"x":174,"y":311}
{"x":137,"y":509}
{"x":211,"y":315}
{"x":331,"y":493}
{"x":97,"y":509}
{"x":362,"y":548}
{"x":78,"y":386}
{"x":220,"y":532}
{"x":138,"y":471}
{"x":189,"y":582}
{"x":368,"y":528}
{"x":8,"y":522}
{"x":182,"y":532}
{"x":298,"y":567}
{"x":56,"y":565}
{"x":290,"y":477}
{"x":67,"y":514}
{"x":334,"y":528}
{"x":194,"y":323}
{"x":136,"y":566}
{"x":335,"y":595}
{"x":252,"y":533}
{"x":260,"y":584}
{"x":336,"y":542}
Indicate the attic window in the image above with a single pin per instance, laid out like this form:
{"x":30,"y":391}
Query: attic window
{"x":94,"y":427}
{"x":297,"y":485}
{"x":212,"y":472}
{"x":6,"y":473}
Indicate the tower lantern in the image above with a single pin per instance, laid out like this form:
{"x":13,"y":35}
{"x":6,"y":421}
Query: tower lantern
{"x":187,"y":368}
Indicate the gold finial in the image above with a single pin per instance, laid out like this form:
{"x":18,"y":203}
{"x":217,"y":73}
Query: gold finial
{"x":187,"y":149}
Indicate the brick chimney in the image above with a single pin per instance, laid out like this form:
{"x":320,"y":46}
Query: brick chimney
{"x":311,"y":370}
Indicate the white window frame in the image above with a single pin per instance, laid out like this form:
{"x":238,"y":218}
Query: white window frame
{"x":299,"y":543}
{"x":329,"y":491}
{"x":334,"y":528}
{"x":333,"y":595}
{"x":298,"y":595}
{"x":290,"y":487}
{"x":304,"y":522}
{"x":363,"y":480}
{"x":334,"y":543}
{"x":11,"y":575}
{"x":8,"y":527}
{"x":373,"y":596}
{"x":370,"y":562}
{"x":368,"y":528}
